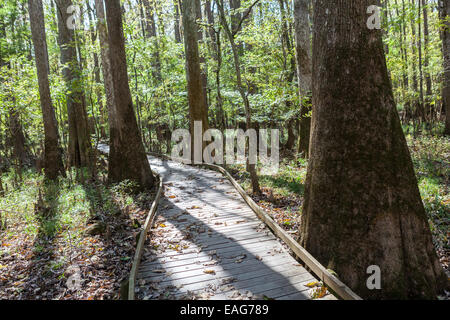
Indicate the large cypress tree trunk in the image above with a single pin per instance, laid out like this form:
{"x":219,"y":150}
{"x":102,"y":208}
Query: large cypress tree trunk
{"x":446,"y":53}
{"x":80,"y":149}
{"x":198,"y":110}
{"x":53,"y":165}
{"x":127,"y":158}
{"x":362,"y":203}
{"x":303,"y":56}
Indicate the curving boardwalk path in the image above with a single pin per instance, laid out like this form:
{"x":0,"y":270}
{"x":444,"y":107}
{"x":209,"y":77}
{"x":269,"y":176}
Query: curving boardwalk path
{"x":208,"y":244}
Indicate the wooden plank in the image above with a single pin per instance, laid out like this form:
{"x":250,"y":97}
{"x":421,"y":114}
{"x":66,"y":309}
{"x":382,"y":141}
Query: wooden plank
{"x":239,"y":237}
{"x":218,"y":247}
{"x":260,"y":249}
{"x":257,"y":280}
{"x":269,"y":287}
{"x":234,"y":250}
{"x":298,"y":287}
{"x":210,"y":222}
{"x":252,"y":267}
{"x":274,"y":270}
{"x":143,"y":236}
{"x":203,"y":263}
{"x":221,"y":228}
{"x":211,"y":235}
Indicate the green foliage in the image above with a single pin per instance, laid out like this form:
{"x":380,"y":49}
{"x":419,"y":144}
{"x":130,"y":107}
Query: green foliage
{"x":431,"y":158}
{"x":289,"y":180}
{"x":403,"y":61}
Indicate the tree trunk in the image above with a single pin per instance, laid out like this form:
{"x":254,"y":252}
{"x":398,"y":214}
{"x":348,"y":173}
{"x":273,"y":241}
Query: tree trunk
{"x":415,"y":86}
{"x":289,"y":67}
{"x":177,"y":21}
{"x":53,"y":165}
{"x":404,"y":54}
{"x":198,"y":110}
{"x":98,"y":91}
{"x":291,"y":135}
{"x":303,"y":56}
{"x":445,"y":13}
{"x":216,"y":45}
{"x":203,"y":66}
{"x":362,"y":203}
{"x":15,"y":125}
{"x":236,"y":17}
{"x":104,"y":54}
{"x":152,"y":36}
{"x":127,"y":158}
{"x":18,"y":137}
{"x":419,"y":45}
{"x":251,"y":168}
{"x":428,"y":85}
{"x":80,"y":149}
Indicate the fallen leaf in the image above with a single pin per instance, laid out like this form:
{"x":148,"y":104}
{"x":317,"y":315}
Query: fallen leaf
{"x":209,"y":272}
{"x":312,"y":284}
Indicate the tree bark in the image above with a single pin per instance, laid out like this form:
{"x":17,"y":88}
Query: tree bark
{"x":415,"y":86}
{"x":104,"y":55}
{"x":445,"y":13}
{"x":216,"y":45}
{"x":15,"y":125}
{"x":198,"y":110}
{"x":80,"y":149}
{"x":404,"y":54}
{"x":362,"y":203}
{"x":428,"y":84}
{"x":203,"y":67}
{"x":53,"y":165}
{"x":127,"y":158}
{"x":152,"y":36}
{"x":304,"y":73}
{"x":289,"y":68}
{"x":18,"y":138}
{"x":419,"y":45}
{"x":177,"y":21}
{"x":98,"y":91}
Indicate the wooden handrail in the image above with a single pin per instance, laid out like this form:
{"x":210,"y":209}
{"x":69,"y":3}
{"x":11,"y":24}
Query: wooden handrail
{"x":143,"y":235}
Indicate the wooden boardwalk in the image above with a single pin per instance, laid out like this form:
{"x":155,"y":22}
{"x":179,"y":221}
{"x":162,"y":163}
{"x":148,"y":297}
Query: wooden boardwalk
{"x":208,"y":244}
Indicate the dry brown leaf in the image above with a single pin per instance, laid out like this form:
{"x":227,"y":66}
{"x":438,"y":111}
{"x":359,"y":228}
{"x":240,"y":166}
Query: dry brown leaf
{"x":209,"y":272}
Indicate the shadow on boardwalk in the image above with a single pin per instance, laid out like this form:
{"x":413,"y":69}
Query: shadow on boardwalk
{"x":208,"y":244}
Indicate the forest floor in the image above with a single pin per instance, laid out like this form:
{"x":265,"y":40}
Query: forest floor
{"x":78,"y":243}
{"x":282,"y":194}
